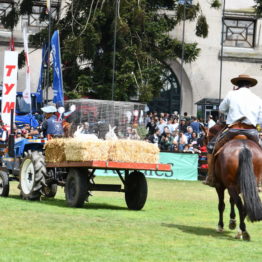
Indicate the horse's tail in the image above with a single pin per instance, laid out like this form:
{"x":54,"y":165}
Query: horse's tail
{"x":248,"y":186}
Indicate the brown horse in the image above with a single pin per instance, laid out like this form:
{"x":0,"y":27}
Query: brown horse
{"x":238,"y":166}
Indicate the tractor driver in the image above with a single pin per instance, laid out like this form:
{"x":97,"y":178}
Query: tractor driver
{"x":3,"y":133}
{"x":51,"y":127}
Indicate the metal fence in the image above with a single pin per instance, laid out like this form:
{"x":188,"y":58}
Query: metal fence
{"x":102,"y":113}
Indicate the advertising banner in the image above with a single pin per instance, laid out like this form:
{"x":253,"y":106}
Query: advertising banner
{"x":57,"y":72}
{"x":39,"y":91}
{"x":184,"y":167}
{"x":9,"y":86}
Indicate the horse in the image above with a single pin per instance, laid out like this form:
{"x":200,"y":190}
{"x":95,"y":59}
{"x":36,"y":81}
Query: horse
{"x":237,"y":168}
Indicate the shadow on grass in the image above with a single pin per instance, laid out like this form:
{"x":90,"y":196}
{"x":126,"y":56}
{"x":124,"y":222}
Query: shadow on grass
{"x":201,"y":231}
{"x":62,"y":203}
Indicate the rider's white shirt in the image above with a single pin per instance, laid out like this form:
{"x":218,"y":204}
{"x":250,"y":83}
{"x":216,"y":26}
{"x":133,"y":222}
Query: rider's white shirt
{"x":242,"y":103}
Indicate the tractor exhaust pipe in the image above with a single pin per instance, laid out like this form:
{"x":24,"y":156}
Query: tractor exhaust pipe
{"x":11,"y":138}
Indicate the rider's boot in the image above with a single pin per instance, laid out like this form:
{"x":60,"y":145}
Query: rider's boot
{"x":210,"y":180}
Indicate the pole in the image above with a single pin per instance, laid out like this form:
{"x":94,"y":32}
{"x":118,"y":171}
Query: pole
{"x":48,"y":51}
{"x":114,"y":51}
{"x":222,"y":53}
{"x":182,"y":57}
{"x":11,"y":138}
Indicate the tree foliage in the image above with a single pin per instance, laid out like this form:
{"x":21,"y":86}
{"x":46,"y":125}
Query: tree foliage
{"x":258,"y":7}
{"x":143,"y":44}
{"x":202,"y":27}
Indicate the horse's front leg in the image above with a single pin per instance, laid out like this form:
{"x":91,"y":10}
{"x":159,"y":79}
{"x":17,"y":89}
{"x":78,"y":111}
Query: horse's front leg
{"x":221,"y":208}
{"x":232,"y":221}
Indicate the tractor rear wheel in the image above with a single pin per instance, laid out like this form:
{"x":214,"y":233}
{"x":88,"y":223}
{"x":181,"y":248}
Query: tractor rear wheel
{"x":76,"y":187}
{"x":32,"y":175}
{"x":135,"y":190}
{"x":4,"y":184}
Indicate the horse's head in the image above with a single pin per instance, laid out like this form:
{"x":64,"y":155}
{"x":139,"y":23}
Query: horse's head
{"x":209,"y":133}
{"x":203,"y":138}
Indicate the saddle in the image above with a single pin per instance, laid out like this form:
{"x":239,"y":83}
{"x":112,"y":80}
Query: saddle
{"x":236,"y":130}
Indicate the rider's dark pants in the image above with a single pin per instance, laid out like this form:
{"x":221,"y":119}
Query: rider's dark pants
{"x":229,"y":134}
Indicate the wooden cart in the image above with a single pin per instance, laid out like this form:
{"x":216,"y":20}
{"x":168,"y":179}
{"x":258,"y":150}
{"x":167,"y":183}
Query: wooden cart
{"x":79,"y":181}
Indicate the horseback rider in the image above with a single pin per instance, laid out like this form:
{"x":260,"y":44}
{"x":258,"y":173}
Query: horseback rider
{"x":244,"y":111}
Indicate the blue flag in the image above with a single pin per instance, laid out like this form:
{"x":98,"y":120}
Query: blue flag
{"x":39,"y":91}
{"x":57,"y":72}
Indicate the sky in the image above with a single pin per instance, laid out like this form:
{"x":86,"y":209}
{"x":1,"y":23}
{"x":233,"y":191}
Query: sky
{"x":232,"y":4}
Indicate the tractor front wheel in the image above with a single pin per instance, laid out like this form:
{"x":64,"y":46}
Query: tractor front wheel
{"x":4,"y":184}
{"x":32,"y":175}
{"x":50,"y":190}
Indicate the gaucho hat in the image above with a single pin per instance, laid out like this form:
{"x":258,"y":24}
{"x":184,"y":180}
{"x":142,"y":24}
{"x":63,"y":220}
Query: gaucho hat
{"x":251,"y":80}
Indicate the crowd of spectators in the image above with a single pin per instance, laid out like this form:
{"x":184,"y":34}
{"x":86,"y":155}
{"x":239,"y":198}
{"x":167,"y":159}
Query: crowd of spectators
{"x":174,"y":133}
{"x":170,"y":132}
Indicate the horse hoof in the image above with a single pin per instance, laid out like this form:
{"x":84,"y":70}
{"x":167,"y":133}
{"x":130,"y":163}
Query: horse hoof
{"x":238,"y":235}
{"x":232,"y":224}
{"x":219,"y":229}
{"x":245,"y":236}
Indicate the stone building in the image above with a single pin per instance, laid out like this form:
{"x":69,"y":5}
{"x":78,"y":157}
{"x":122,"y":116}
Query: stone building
{"x":242,"y":44}
{"x":34,"y":26}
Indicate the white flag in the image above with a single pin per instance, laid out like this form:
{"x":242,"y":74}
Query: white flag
{"x":26,"y":92}
{"x":48,"y":6}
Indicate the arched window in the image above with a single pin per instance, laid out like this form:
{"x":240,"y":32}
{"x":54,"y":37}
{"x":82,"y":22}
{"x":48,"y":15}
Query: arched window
{"x":169,"y":99}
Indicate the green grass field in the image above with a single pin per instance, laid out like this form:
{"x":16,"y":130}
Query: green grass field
{"x":177,"y":223}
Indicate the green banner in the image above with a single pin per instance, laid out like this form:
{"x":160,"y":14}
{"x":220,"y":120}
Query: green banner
{"x":184,"y":167}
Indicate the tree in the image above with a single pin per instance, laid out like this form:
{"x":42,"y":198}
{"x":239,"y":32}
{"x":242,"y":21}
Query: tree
{"x":258,"y":7}
{"x":143,"y":45}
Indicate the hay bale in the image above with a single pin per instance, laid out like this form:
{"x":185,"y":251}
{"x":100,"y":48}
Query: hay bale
{"x":54,"y":150}
{"x":133,"y":151}
{"x":77,"y":149}
{"x":81,"y":150}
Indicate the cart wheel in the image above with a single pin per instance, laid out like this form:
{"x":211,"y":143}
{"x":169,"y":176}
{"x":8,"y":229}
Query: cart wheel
{"x":4,"y":184}
{"x":76,"y":187}
{"x":32,"y":175}
{"x":49,"y":191}
{"x":135,"y":190}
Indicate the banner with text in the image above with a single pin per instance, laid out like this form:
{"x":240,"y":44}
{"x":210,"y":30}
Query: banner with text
{"x":184,"y":167}
{"x":9,"y":86}
{"x":57,"y":71}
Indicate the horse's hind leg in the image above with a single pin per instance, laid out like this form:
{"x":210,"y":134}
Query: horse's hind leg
{"x":232,"y":221}
{"x":242,"y":215}
{"x":221,"y":208}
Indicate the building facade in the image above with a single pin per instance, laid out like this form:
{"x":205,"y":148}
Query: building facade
{"x":241,"y":54}
{"x":201,"y":82}
{"x":34,"y":26}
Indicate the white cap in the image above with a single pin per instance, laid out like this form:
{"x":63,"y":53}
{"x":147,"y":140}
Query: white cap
{"x":49,"y":109}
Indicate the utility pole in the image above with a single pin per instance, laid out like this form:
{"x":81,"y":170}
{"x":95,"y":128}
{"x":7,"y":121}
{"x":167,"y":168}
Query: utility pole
{"x":222,"y":52}
{"x":114,"y":52}
{"x":182,"y":55}
{"x":48,"y":50}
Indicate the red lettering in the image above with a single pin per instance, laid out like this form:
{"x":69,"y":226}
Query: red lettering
{"x":8,"y":107}
{"x":10,"y":68}
{"x":8,"y":88}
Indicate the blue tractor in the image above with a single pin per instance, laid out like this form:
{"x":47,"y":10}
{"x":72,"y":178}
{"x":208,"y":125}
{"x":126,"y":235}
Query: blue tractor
{"x":23,"y":161}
